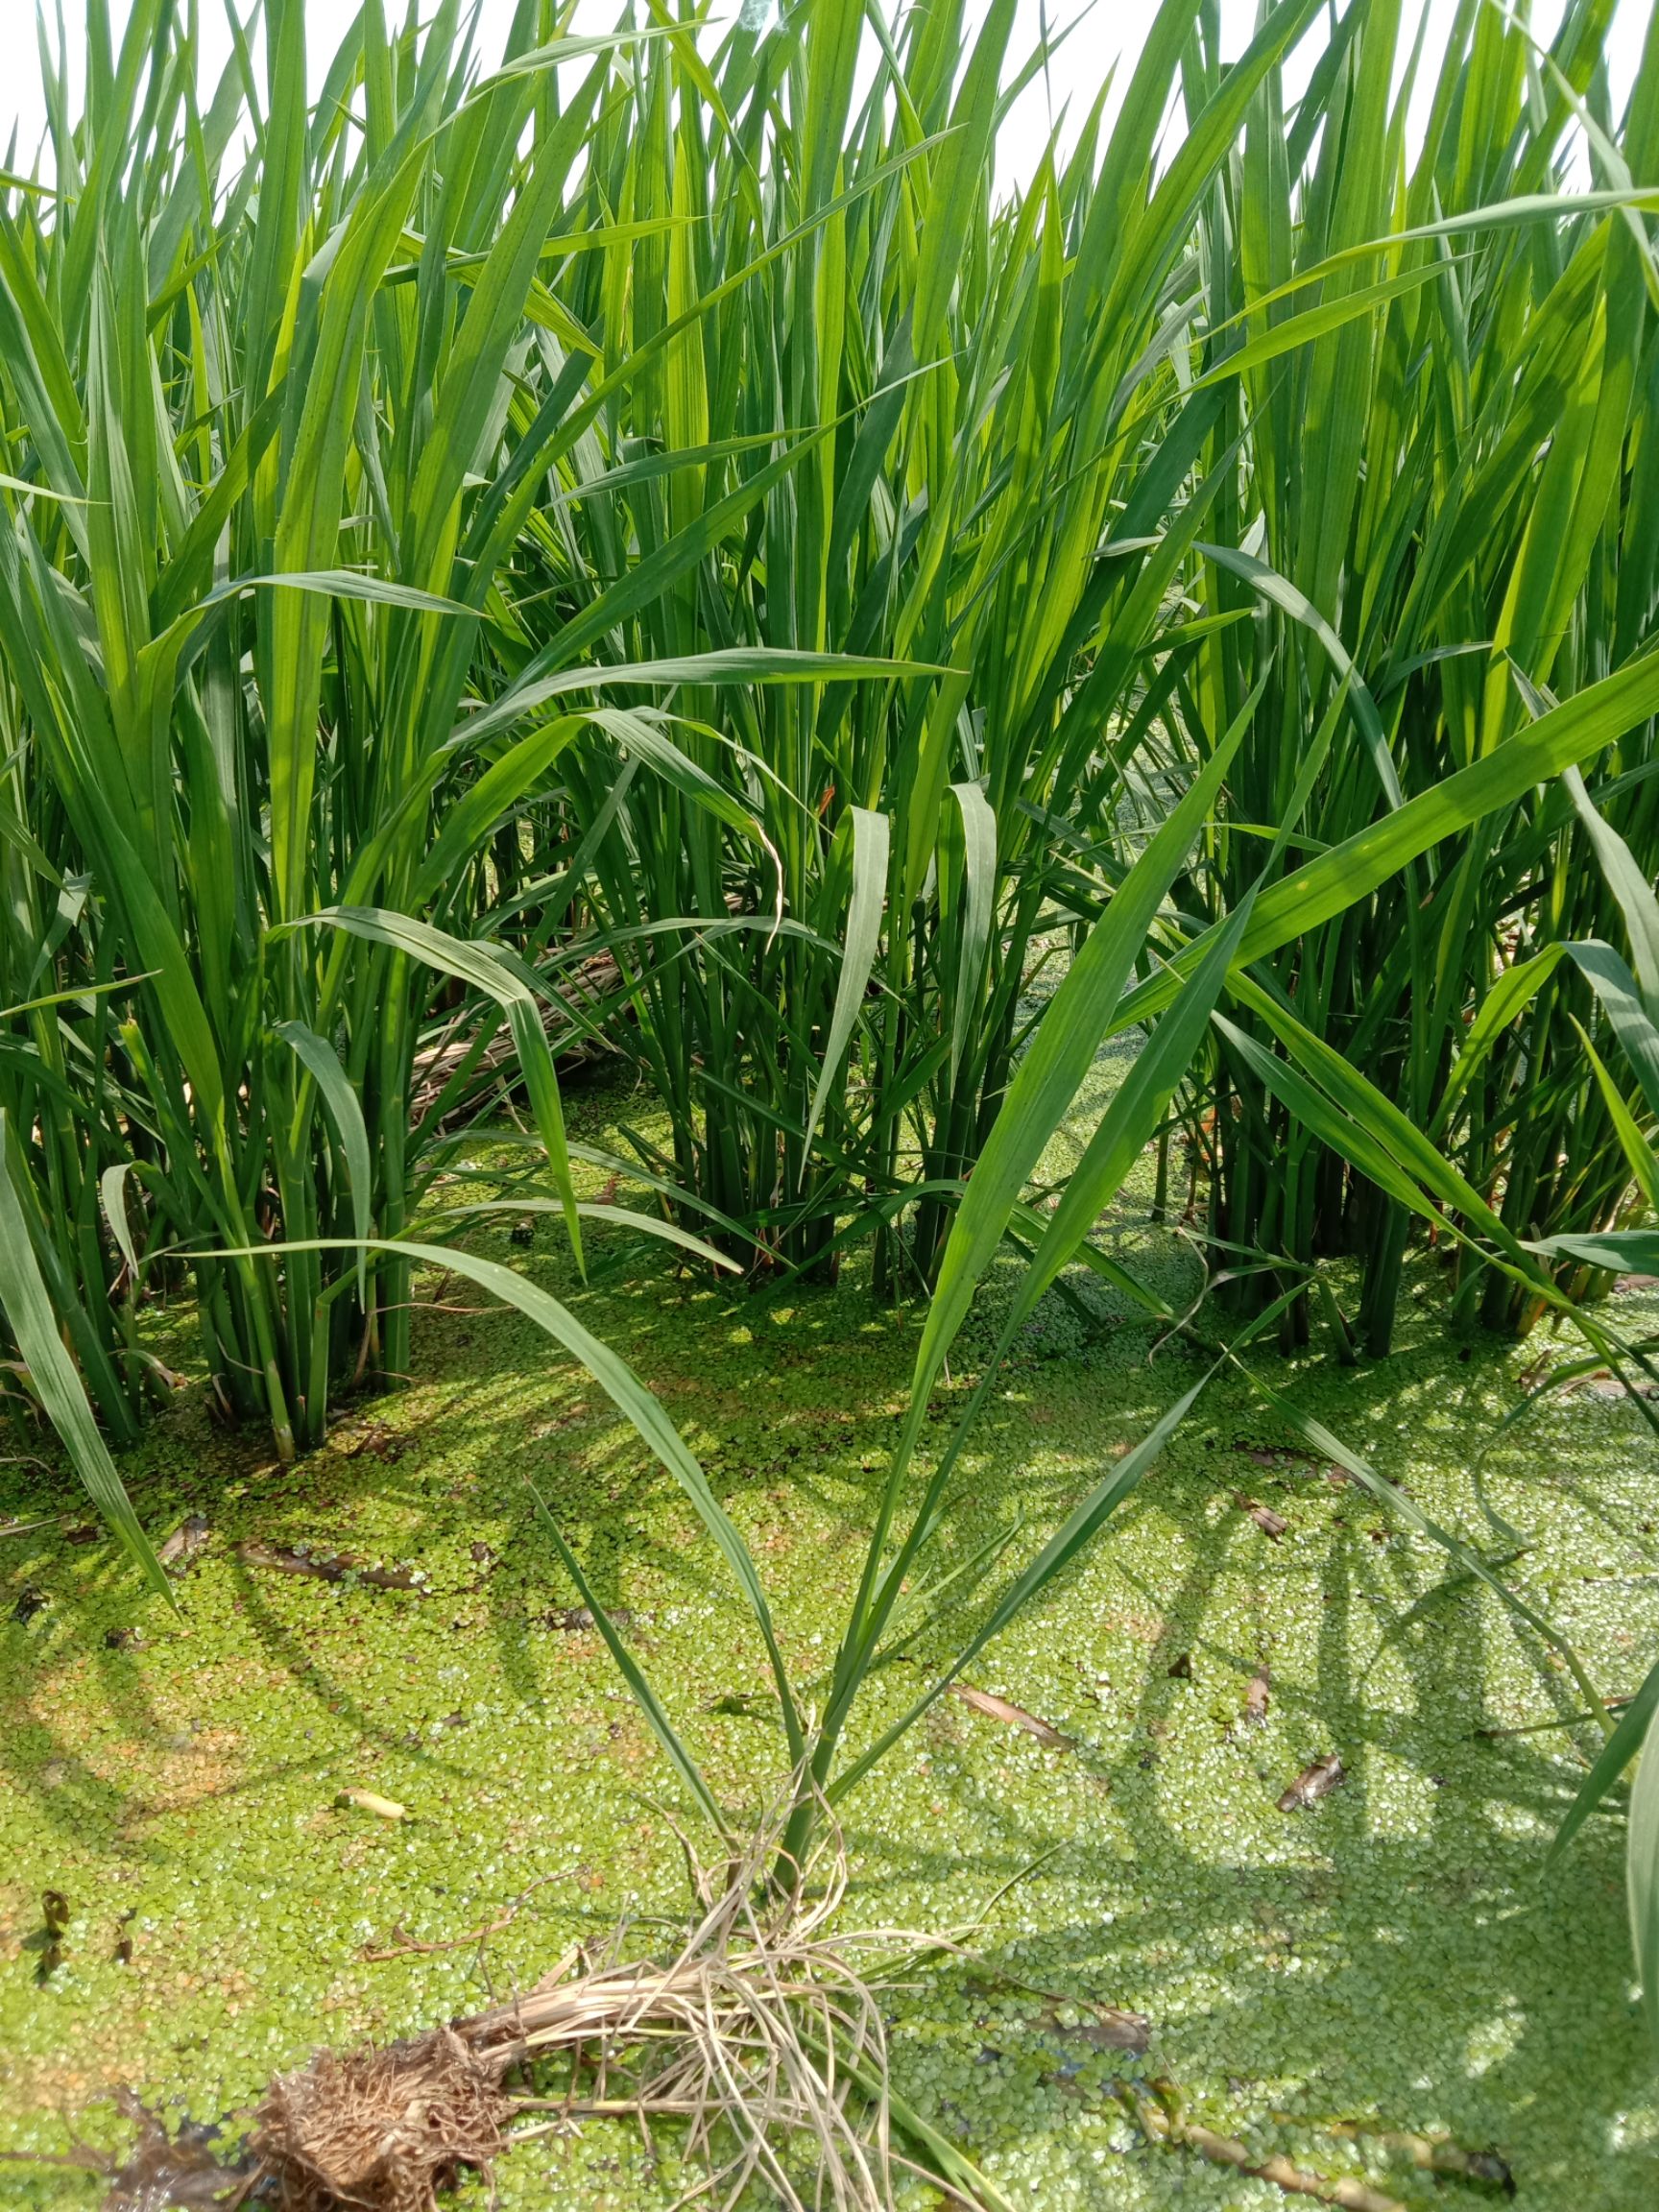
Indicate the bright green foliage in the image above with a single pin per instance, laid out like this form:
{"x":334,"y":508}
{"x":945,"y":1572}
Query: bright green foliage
{"x":647,"y":524}
{"x":928,"y":426}
{"x":643,"y":543}
{"x":271,"y":452}
{"x":1441,"y":520}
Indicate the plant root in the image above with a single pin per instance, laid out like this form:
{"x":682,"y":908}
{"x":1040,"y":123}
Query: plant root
{"x":758,"y":2033}
{"x":382,"y":2131}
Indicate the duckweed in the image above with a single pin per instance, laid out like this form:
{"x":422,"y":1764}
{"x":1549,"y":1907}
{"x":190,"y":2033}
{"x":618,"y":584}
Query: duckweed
{"x":1392,"y":1954}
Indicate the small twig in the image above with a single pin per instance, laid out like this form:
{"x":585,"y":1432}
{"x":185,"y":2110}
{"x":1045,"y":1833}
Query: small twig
{"x":26,"y":1528}
{"x":1163,"y":2123}
{"x":409,"y":1946}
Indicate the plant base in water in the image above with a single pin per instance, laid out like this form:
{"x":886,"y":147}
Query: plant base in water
{"x":758,"y":2034}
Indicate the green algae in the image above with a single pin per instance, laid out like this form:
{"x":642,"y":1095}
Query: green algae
{"x":1393,"y":1954}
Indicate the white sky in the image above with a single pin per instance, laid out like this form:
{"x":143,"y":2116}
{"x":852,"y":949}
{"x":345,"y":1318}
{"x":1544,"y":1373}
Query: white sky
{"x":1113,"y":28}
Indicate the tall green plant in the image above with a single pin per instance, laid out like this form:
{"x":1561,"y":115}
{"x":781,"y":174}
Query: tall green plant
{"x":1438,"y":365}
{"x":929,"y":425}
{"x":272,"y":448}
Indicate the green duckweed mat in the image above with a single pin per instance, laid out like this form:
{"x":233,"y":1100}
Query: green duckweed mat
{"x":1392,"y":1956}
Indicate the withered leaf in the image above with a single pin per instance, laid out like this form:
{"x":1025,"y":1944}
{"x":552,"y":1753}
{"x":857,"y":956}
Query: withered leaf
{"x":575,"y":1619}
{"x":1270,"y":1523}
{"x":1256,"y":1698}
{"x":995,"y":1708}
{"x":1314,"y":1783}
{"x":186,"y":1541}
{"x":378,"y":1442}
{"x":1107,"y":2028}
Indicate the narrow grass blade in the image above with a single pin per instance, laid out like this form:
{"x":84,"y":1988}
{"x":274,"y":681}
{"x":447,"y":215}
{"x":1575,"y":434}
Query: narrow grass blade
{"x":52,"y":1372}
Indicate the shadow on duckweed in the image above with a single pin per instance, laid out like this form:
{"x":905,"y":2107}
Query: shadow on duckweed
{"x":1391,"y":1957}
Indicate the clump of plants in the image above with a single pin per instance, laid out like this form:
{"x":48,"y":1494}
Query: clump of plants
{"x":641,"y":545}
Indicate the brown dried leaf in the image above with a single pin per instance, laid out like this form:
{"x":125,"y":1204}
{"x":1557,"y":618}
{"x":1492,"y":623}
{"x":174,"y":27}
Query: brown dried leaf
{"x":1314,"y":1783}
{"x":379,"y":1441}
{"x":576,"y":1620}
{"x":1270,"y":1523}
{"x":1107,"y":2029}
{"x":186,"y":1541}
{"x":995,"y":1708}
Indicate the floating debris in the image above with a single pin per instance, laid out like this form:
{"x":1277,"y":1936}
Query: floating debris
{"x":574,"y":1619}
{"x":325,"y":1567}
{"x":53,"y":1927}
{"x":365,"y":1801}
{"x":1436,"y":2154}
{"x":1314,"y":1783}
{"x":1270,"y":1523}
{"x":184,"y":1543}
{"x":163,"y":2172}
{"x":1106,"y":2028}
{"x":1258,"y":1695}
{"x":1604,"y":1383}
{"x":378,"y":1442}
{"x":183,"y":2169}
{"x":1164,"y":2122}
{"x":995,"y":1708}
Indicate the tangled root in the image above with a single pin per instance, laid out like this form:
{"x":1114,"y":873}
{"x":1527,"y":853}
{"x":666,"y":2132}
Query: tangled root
{"x":760,"y":2034}
{"x":380,"y":2130}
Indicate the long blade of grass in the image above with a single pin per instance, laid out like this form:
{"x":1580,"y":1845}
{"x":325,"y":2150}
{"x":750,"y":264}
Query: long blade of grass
{"x":870,"y":849}
{"x":50,"y":1370}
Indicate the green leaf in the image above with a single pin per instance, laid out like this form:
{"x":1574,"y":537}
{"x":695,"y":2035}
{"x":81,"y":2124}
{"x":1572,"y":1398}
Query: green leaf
{"x":1629,"y":886}
{"x":1616,"y":1754}
{"x":1642,"y":1860}
{"x":1328,"y":885}
{"x":52,"y":1372}
{"x":634,"y":1674}
{"x":870,"y":848}
{"x":735,"y":665}
{"x":625,"y":1391}
{"x":341,"y":1104}
{"x":483,"y":968}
